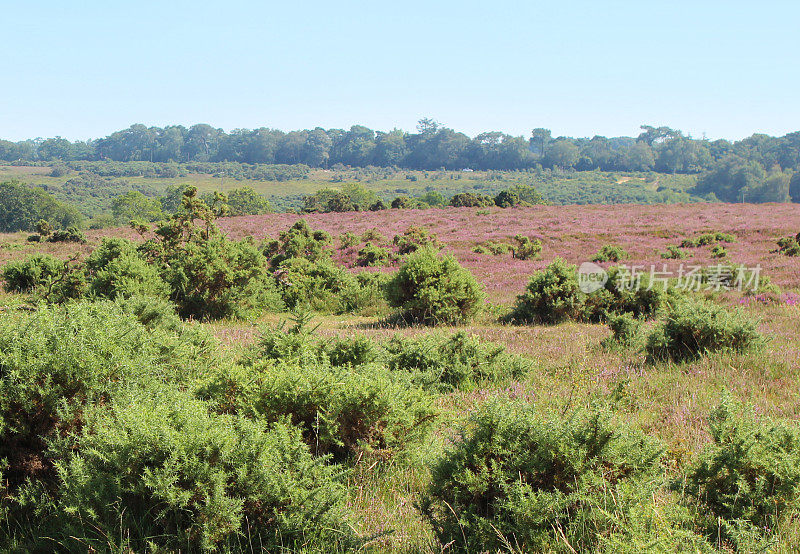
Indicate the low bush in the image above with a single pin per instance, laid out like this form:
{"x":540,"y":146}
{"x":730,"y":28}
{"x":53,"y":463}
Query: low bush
{"x":323,"y":287}
{"x":748,"y":478}
{"x":707,"y":239}
{"x":348,"y":240}
{"x":471,"y":200}
{"x":460,"y":361}
{"x":526,"y":248}
{"x":415,"y":238}
{"x":299,"y":241}
{"x":156,"y":470}
{"x":70,"y":234}
{"x":789,"y":246}
{"x":341,"y":410}
{"x":693,"y":328}
{"x":610,"y":253}
{"x":506,"y":199}
{"x":371,"y":255}
{"x":115,"y":268}
{"x":552,"y":296}
{"x":624,"y":330}
{"x":525,"y":480}
{"x":492,"y":247}
{"x":674,"y":253}
{"x":433,"y":289}
{"x":373,"y":235}
{"x":718,"y":251}
{"x":32,"y":272}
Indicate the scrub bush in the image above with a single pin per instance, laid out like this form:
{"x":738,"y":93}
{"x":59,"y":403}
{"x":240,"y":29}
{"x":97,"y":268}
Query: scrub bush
{"x":522,"y":478}
{"x":432,"y":289}
{"x":610,"y":253}
{"x":693,"y":328}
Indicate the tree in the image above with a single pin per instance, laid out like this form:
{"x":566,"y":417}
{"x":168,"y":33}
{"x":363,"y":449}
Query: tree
{"x":562,"y":153}
{"x":136,"y":206}
{"x":246,"y":201}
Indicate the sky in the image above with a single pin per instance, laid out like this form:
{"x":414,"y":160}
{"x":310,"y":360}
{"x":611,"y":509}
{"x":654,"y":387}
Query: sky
{"x":83,"y":69}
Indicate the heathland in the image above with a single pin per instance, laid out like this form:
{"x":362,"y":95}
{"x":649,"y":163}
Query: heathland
{"x":412,"y":380}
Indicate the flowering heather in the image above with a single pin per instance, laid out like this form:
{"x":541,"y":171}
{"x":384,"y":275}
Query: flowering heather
{"x":574,"y":233}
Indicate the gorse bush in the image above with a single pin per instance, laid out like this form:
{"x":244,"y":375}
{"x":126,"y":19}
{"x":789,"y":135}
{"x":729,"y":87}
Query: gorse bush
{"x":674,"y":253}
{"x":749,"y":476}
{"x":519,"y":477}
{"x":460,"y":361}
{"x":158,"y":470}
{"x":610,"y":253}
{"x":552,"y":296}
{"x":526,"y":248}
{"x":708,"y":239}
{"x":341,"y":410}
{"x":789,"y":246}
{"x":115,"y":268}
{"x":718,"y":251}
{"x":415,"y":238}
{"x":371,"y":255}
{"x":299,"y":241}
{"x":433,"y":289}
{"x":693,"y":328}
{"x":34,"y":271}
{"x":70,"y":234}
{"x":624,"y":330}
{"x":492,"y":247}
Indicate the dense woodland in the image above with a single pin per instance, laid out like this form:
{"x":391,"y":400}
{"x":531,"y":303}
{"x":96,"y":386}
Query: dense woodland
{"x":759,"y":166}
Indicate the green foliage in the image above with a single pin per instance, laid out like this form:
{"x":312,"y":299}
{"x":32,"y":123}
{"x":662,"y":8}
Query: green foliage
{"x":471,"y":200}
{"x":158,"y":470}
{"x":749,"y":476}
{"x":789,"y":246}
{"x":352,"y":197}
{"x":340,"y":410}
{"x":707,"y":239}
{"x":624,"y":329}
{"x":115,"y":268}
{"x":552,"y":296}
{"x":432,"y":289}
{"x":246,"y":201}
{"x":348,"y":240}
{"x":70,"y":234}
{"x":674,"y":253}
{"x":135,"y":205}
{"x":371,"y":255}
{"x":610,"y":253}
{"x":718,"y":251}
{"x":414,"y":238}
{"x":693,"y":328}
{"x":506,"y":199}
{"x":299,"y":241}
{"x":492,"y":247}
{"x":21,"y":207}
{"x":373,"y":235}
{"x":460,"y":361}
{"x":37,"y":270}
{"x":209,"y":276}
{"x":526,"y":248}
{"x":519,"y":477}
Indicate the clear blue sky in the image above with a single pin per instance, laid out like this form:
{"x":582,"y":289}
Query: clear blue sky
{"x":82,"y":69}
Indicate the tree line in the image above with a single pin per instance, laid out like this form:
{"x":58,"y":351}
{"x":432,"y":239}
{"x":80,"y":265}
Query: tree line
{"x":433,"y":146}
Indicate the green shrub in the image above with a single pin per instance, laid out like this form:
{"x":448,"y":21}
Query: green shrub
{"x":749,"y":474}
{"x":115,"y":268}
{"x":70,"y":234}
{"x":210,"y":276}
{"x":693,"y":328}
{"x":552,"y":296}
{"x":371,"y":255}
{"x":526,"y":248}
{"x":610,"y":253}
{"x":373,"y":235}
{"x":460,"y":361}
{"x":415,"y":238}
{"x":348,"y":240}
{"x":323,"y":287}
{"x":156,"y":470}
{"x":506,"y":199}
{"x":626,"y":292}
{"x":32,"y":272}
{"x":433,"y":289}
{"x":789,"y":246}
{"x":624,"y":330}
{"x":718,"y":251}
{"x":707,"y":239}
{"x":674,"y":253}
{"x":494,"y":248}
{"x":518,"y":477}
{"x":299,"y":241}
{"x":471,"y":200}
{"x":340,"y":410}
